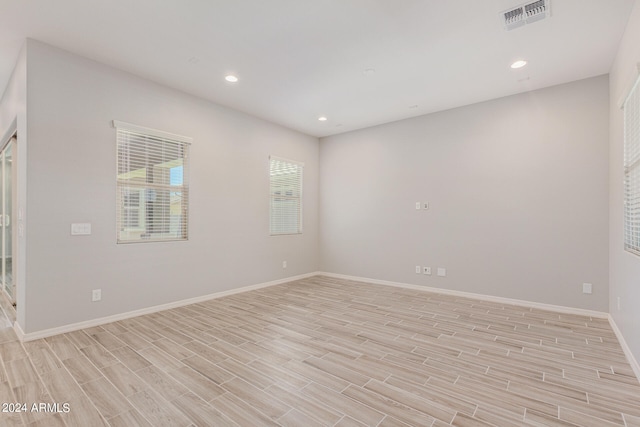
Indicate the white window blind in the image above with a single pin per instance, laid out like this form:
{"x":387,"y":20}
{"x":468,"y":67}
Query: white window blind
{"x":152,"y":186}
{"x":632,"y":170}
{"x":285,"y":184}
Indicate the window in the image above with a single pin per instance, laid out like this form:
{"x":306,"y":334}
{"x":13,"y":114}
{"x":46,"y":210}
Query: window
{"x":152,"y":187}
{"x":285,"y":186}
{"x":632,"y":170}
{"x":131,"y":212}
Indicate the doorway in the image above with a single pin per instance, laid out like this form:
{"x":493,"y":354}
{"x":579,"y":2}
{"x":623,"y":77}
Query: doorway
{"x":6,"y":219}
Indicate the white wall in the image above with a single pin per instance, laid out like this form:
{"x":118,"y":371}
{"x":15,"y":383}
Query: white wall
{"x":624,"y":267}
{"x":71,"y":177}
{"x":517,"y":188}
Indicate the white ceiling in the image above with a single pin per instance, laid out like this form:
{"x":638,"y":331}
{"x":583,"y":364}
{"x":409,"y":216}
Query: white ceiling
{"x":300,"y":59}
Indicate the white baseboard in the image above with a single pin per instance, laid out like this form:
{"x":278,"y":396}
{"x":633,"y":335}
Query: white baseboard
{"x":121,"y":316}
{"x":557,"y":308}
{"x":522,"y":303}
{"x":18,"y":330}
{"x":22,"y":336}
{"x":627,"y":351}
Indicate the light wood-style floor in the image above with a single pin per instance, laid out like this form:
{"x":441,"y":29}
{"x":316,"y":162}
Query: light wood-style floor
{"x":328,"y":352}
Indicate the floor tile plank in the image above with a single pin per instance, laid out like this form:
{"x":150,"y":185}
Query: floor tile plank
{"x":331,"y":352}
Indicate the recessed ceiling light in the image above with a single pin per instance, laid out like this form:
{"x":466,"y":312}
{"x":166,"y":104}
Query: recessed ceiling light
{"x":369,"y":71}
{"x":519,"y":64}
{"x":322,"y":118}
{"x":231,"y":78}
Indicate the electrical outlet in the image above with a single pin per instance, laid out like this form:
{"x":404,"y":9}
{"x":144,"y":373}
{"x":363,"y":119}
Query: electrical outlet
{"x":587,"y":288}
{"x":442,"y":271}
{"x":96,"y":295}
{"x":418,"y":204}
{"x":284,"y":264}
{"x":425,"y":206}
{"x":426,"y":270}
{"x":418,"y":269}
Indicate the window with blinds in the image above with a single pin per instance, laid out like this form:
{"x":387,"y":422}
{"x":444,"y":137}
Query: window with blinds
{"x":152,"y":186}
{"x":285,"y":186}
{"x":632,"y":170}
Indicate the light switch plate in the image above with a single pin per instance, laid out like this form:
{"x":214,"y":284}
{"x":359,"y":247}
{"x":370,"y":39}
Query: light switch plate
{"x":81,"y":229}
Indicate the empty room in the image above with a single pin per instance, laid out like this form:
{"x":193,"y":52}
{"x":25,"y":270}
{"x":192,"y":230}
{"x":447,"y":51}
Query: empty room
{"x":332,"y":213}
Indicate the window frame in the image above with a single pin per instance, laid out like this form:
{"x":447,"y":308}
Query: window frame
{"x":273,"y":224}
{"x":156,"y":139}
{"x":631,"y":169}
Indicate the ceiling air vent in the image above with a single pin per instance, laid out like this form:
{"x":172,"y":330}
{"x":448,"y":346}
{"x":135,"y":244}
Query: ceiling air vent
{"x":525,"y":14}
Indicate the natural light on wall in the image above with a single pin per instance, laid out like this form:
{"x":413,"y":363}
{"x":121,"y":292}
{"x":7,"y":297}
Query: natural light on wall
{"x":152,"y":187}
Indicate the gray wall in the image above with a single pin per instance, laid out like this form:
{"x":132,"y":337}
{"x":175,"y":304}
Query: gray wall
{"x":71,"y":178}
{"x":624,"y":267}
{"x":517,"y":190}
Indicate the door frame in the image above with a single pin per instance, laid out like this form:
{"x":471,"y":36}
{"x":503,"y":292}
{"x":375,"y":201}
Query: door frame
{"x":11,"y":140}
